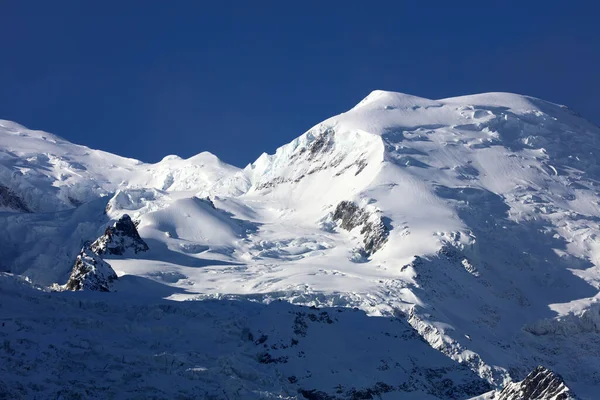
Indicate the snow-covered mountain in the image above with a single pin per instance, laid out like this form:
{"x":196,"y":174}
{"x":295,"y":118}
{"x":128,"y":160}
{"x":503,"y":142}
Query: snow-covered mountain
{"x":472,"y":222}
{"x":49,"y":173}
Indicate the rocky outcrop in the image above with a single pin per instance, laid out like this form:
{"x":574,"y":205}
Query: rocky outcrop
{"x":208,"y":201}
{"x":456,"y":257}
{"x":541,"y":384}
{"x":119,"y":239}
{"x":349,"y":216}
{"x":10,"y":200}
{"x":91,"y":272}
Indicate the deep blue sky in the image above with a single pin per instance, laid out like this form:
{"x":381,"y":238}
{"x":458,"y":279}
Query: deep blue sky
{"x":149,"y":78}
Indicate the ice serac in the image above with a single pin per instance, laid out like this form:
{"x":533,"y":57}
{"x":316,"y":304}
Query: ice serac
{"x":541,"y":384}
{"x":91,"y":272}
{"x":119,"y":239}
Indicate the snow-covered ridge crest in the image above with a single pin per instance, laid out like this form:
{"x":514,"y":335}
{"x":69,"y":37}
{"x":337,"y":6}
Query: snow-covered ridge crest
{"x":399,"y":120}
{"x":47,"y":173}
{"x":323,"y":147}
{"x":394,"y":100}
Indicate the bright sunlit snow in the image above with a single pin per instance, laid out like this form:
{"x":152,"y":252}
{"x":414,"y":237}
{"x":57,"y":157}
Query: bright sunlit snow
{"x":487,"y":207}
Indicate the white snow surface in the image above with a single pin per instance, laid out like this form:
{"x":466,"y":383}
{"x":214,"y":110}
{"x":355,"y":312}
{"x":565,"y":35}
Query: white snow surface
{"x":53,"y":174}
{"x":493,"y":254}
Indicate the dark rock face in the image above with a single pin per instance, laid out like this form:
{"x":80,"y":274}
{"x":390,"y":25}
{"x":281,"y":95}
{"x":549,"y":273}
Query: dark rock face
{"x":541,"y":384}
{"x":75,"y":202}
{"x":90,"y":272}
{"x":321,"y":144}
{"x":10,"y":199}
{"x":120,"y":238}
{"x":315,"y":156}
{"x":208,"y":201}
{"x":373,"y":228}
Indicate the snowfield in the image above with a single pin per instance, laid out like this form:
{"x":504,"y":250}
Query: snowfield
{"x":406,"y":248}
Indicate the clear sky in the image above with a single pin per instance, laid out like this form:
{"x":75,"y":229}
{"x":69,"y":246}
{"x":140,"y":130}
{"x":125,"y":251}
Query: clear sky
{"x":145,"y":79}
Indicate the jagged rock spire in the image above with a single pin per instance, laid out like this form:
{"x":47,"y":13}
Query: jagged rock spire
{"x":90,"y":272}
{"x":540,"y":384}
{"x":120,"y":238}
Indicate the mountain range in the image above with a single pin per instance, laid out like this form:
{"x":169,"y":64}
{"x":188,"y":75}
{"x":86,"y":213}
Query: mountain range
{"x":407,"y":248}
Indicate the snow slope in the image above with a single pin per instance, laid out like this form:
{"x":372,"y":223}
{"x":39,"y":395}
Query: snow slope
{"x":487,"y":207}
{"x":134,"y":345}
{"x":50,"y":174}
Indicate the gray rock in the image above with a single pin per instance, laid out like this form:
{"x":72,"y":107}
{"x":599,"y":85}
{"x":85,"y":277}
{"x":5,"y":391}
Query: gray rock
{"x":10,"y":199}
{"x":119,"y":239}
{"x":541,"y":384}
{"x":374,"y":230}
{"x":90,"y":272}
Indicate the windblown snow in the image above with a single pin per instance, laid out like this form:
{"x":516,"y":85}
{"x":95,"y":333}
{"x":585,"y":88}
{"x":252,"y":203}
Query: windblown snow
{"x":407,"y":247}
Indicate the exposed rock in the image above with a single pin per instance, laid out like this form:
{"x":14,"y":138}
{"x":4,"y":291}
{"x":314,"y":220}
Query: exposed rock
{"x":541,"y":384}
{"x":272,"y":183}
{"x":208,"y":201}
{"x":455,"y":257}
{"x":321,"y":143}
{"x":374,"y":230}
{"x":75,"y":202}
{"x":90,"y":272}
{"x":314,"y":154}
{"x":11,"y":200}
{"x":120,"y":238}
{"x":361,"y":164}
